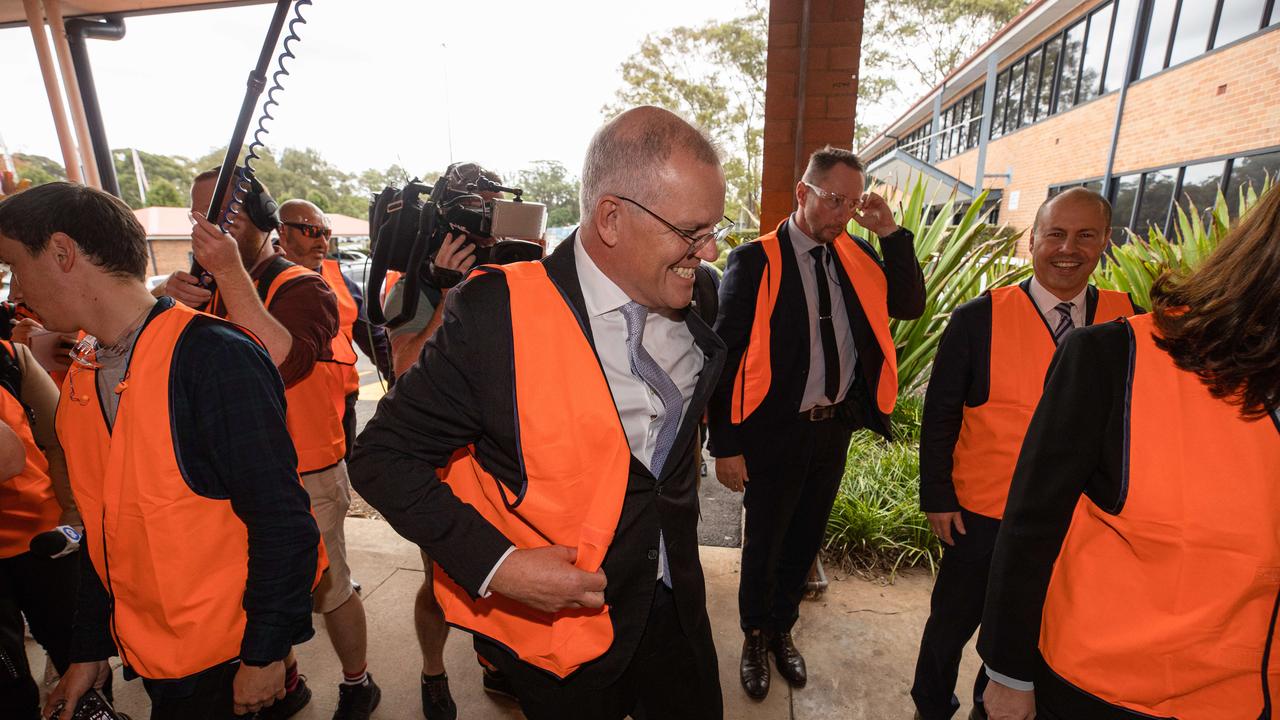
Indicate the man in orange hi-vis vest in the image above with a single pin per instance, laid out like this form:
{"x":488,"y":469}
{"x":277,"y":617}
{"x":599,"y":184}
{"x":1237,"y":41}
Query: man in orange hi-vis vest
{"x":200,"y":551}
{"x":986,"y":381}
{"x":804,"y":312}
{"x":562,"y":398}
{"x":1137,"y":570}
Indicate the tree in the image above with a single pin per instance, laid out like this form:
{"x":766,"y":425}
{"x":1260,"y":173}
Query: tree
{"x":909,"y":46}
{"x":164,"y":194}
{"x":38,"y":169}
{"x":549,"y":182}
{"x":714,"y":76}
{"x":173,"y":170}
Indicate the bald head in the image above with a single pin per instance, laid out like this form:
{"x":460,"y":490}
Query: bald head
{"x":627,"y":156}
{"x":302,"y":211}
{"x":304,"y":233}
{"x":1075,"y":196}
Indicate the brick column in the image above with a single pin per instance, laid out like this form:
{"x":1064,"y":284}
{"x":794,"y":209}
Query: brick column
{"x":818,"y":59}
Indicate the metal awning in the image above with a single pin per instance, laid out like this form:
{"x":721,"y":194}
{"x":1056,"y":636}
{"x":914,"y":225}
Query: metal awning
{"x":900,"y":170}
{"x":13,"y":14}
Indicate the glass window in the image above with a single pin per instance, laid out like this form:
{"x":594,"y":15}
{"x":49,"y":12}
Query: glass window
{"x":1030,"y":87}
{"x":1251,"y":171}
{"x":1157,"y":36}
{"x":997,"y":109}
{"x":1122,"y":206}
{"x":1121,"y":39}
{"x":1094,"y":185}
{"x":1192,"y":36}
{"x":1157,"y":192}
{"x":1275,"y":14}
{"x":1015,"y":97}
{"x":1095,"y":53}
{"x":944,"y":138}
{"x":1048,"y":73}
{"x":1072,"y":52}
{"x":1200,"y":185}
{"x":957,"y":129}
{"x":1239,"y":18}
{"x":975,"y":119}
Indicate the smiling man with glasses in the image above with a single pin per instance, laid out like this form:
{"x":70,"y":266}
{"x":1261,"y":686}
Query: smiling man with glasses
{"x":805,"y":314}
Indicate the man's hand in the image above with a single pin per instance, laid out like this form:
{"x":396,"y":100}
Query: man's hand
{"x":941,"y":524}
{"x":1005,"y":703}
{"x":257,"y":687}
{"x":455,"y":253}
{"x":215,"y":250}
{"x":23,"y":330}
{"x":51,"y":349}
{"x":875,"y":215}
{"x":76,"y":681}
{"x":546,"y":579}
{"x":185,"y":288}
{"x":732,"y":472}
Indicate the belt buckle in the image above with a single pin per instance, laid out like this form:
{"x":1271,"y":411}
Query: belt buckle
{"x":822,"y":412}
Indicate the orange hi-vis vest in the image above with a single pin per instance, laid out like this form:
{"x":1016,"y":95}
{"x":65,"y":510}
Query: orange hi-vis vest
{"x":1167,"y":607}
{"x":317,"y":402}
{"x":991,"y":434}
{"x":576,"y":461}
{"x":174,"y":562}
{"x":755,"y":373}
{"x":344,"y":342}
{"x":28,"y":506}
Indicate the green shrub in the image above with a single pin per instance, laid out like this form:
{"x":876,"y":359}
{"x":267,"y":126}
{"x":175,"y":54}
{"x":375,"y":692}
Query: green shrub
{"x":876,"y":524}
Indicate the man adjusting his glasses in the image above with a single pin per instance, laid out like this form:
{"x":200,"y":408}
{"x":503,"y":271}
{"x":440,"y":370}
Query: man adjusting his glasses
{"x":804,"y":313}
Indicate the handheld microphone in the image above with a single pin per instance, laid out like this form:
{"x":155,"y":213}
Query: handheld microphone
{"x":58,"y":542}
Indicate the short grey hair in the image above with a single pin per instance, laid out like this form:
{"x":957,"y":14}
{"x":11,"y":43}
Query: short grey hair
{"x":627,"y":153}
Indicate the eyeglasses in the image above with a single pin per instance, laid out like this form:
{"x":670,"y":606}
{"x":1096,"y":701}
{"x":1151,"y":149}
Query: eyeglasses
{"x":696,"y":242}
{"x":834,"y":201}
{"x":311,"y":231}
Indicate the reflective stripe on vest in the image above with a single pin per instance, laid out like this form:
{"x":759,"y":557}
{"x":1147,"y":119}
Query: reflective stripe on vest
{"x":344,"y":341}
{"x":755,"y":372}
{"x":576,"y":461}
{"x":316,"y":402}
{"x":27,"y":503}
{"x":991,"y":434}
{"x":1167,"y":607}
{"x":174,"y":562}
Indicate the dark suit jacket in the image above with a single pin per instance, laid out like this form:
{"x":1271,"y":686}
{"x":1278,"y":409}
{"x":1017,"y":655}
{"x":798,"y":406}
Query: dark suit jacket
{"x":461,"y":392}
{"x":789,"y":337}
{"x":961,"y":377}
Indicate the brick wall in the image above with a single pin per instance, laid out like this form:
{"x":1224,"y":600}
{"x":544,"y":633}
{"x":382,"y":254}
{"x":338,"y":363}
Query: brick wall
{"x":830,"y":92}
{"x":170,"y":255}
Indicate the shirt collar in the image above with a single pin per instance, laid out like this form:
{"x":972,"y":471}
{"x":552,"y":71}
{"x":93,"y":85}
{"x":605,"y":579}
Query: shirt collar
{"x":799,"y":240}
{"x":1046,"y":301}
{"x":600,"y":294}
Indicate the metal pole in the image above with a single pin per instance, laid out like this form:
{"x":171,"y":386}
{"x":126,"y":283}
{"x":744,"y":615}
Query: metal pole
{"x":70,"y":157}
{"x":111,"y":28}
{"x":53,"y":11}
{"x":1141,"y":21}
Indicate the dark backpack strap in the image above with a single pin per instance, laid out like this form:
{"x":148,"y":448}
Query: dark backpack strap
{"x":10,"y":371}
{"x":706,"y":299}
{"x":277,"y":265}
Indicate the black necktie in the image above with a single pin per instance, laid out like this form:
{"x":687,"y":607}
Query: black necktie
{"x":830,"y":356}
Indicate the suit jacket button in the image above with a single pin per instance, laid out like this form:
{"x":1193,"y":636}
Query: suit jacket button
{"x":653,"y":553}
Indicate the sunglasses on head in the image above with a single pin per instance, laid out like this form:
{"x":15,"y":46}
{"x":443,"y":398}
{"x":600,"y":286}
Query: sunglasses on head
{"x":311,"y":231}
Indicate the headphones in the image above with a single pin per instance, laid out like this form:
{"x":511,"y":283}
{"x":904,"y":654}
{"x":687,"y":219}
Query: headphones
{"x":261,"y":209}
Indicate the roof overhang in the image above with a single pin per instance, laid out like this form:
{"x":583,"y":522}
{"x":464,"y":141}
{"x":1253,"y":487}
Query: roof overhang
{"x":899,"y":170}
{"x":12,"y":13}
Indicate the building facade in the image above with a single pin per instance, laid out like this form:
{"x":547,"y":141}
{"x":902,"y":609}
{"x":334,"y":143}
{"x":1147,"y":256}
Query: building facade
{"x":1157,"y":103}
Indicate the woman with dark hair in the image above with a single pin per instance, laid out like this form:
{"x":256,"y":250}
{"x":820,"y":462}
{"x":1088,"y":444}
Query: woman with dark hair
{"x":1137,"y":572}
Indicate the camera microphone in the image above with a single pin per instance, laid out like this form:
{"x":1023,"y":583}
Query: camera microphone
{"x":58,"y":542}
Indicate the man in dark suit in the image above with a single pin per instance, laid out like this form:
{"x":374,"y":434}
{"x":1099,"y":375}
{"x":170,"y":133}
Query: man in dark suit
{"x":652,"y":197}
{"x":804,"y":313}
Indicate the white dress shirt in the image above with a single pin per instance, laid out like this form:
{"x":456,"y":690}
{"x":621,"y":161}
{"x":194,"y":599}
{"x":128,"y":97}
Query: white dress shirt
{"x":667,"y":339}
{"x":1046,"y":301}
{"x":815,"y":393}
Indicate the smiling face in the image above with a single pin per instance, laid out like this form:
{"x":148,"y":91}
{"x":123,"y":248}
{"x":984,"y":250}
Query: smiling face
{"x":1070,"y":234}
{"x":651,"y":263}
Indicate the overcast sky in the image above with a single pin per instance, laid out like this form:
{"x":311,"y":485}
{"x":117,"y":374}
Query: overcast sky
{"x":525,"y":80}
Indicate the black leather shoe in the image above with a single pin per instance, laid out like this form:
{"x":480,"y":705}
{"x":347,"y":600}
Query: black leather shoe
{"x":790,"y":661}
{"x":755,"y":665}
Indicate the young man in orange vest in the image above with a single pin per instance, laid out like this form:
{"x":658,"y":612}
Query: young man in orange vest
{"x":201,"y":549}
{"x":295,"y":315}
{"x":805,"y":314}
{"x":1135,"y":575}
{"x":987,"y":378}
{"x":562,"y":400}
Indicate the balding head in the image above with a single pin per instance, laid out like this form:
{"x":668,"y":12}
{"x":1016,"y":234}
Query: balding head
{"x":1070,"y":234}
{"x":304,"y":233}
{"x":1073,"y":196}
{"x":628,"y":155}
